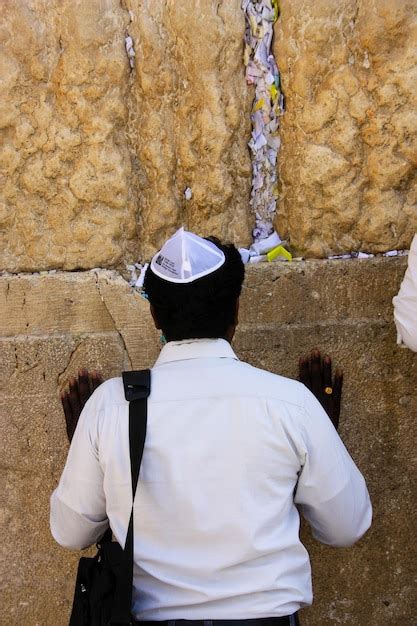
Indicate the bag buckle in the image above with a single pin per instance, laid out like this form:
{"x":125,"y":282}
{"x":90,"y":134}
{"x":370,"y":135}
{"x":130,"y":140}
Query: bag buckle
{"x":136,"y":384}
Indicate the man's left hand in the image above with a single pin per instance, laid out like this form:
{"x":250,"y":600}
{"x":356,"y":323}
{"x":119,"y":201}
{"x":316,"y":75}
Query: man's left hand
{"x":316,"y":374}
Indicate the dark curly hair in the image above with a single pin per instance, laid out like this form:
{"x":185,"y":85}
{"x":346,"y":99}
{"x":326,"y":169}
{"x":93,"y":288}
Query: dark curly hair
{"x":201,"y":309}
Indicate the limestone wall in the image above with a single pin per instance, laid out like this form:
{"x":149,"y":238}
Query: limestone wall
{"x":95,"y":155}
{"x":53,"y":324}
{"x":189,"y":119}
{"x":349,"y":135}
{"x":65,"y":164}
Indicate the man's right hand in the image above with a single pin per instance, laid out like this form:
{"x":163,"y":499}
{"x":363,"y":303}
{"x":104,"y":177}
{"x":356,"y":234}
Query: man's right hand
{"x":74,"y":400}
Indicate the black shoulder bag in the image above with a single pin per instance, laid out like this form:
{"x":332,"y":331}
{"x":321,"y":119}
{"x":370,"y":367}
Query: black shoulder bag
{"x":103,"y":589}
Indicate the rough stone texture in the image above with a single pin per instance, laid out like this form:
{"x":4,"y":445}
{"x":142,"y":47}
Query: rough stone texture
{"x":348,"y":159}
{"x":65,"y":165}
{"x":55,"y":323}
{"x":189,"y":119}
{"x":93,"y":154}
{"x":51,"y":324}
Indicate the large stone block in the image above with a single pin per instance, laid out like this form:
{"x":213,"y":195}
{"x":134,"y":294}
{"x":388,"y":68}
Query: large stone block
{"x":348,"y":158}
{"x":94,"y":319}
{"x":94,"y":152}
{"x":65,"y":164}
{"x":189,"y":119}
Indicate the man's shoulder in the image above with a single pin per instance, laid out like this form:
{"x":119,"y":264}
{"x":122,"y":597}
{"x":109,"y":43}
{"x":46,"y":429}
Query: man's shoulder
{"x":266,"y":384}
{"x":110,"y":392}
{"x":249,"y":381}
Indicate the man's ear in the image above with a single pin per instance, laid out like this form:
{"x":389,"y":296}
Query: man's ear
{"x":155,"y":320}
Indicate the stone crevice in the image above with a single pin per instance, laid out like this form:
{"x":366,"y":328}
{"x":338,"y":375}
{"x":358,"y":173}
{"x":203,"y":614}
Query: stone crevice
{"x":62,"y":377}
{"x":103,"y":299}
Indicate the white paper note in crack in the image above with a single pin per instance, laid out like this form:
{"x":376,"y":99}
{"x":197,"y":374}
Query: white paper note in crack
{"x":262,"y":72}
{"x":130,"y":51}
{"x":265,"y":245}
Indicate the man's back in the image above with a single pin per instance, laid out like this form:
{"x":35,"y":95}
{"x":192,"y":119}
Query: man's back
{"x":216,"y":528}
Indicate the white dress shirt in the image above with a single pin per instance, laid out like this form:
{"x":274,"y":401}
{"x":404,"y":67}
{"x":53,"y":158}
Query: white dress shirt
{"x":405,"y":303}
{"x":216,"y":530}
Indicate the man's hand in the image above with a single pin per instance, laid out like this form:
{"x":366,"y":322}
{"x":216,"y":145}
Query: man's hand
{"x":316,"y":374}
{"x":73,"y":401}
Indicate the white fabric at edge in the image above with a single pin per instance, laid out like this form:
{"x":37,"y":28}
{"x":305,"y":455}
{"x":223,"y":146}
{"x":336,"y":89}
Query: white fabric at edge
{"x":405,"y":303}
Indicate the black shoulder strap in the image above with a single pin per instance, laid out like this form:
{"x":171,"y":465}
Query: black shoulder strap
{"x":137,"y":386}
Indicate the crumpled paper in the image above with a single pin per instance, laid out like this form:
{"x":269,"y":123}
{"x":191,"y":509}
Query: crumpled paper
{"x":188,"y":194}
{"x":270,"y":248}
{"x":268,"y":105}
{"x":366,"y":255}
{"x":130,"y":51}
{"x":137,"y":272}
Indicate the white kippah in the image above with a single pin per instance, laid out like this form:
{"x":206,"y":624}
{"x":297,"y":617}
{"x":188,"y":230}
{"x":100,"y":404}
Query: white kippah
{"x":186,"y":257}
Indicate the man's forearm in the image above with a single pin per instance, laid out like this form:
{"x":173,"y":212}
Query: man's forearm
{"x":74,"y":530}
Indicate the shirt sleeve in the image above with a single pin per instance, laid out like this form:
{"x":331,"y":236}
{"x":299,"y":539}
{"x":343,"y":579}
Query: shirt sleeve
{"x":78,"y":506}
{"x":405,"y":303}
{"x":331,"y":490}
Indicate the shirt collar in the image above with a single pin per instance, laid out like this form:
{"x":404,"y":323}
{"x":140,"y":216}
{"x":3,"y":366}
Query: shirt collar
{"x":195,"y":349}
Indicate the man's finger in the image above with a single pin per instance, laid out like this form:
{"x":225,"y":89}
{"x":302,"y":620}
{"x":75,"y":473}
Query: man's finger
{"x":66,"y":405}
{"x":96,"y":380}
{"x":327,"y":373}
{"x":74,"y":397}
{"x":70,"y":422}
{"x":83,"y":386}
{"x":304,"y":372}
{"x":338,"y":384}
{"x":316,"y":373}
{"x":337,"y":396}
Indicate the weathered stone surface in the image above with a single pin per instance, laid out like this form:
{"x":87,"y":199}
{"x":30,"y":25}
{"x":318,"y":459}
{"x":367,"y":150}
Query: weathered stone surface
{"x":94,"y":154}
{"x":348,"y":159}
{"x":189,"y":119}
{"x":52,"y":323}
{"x":94,"y":319}
{"x":65,"y":165}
